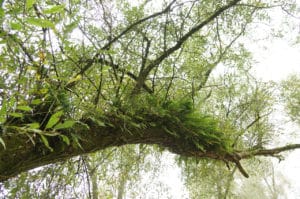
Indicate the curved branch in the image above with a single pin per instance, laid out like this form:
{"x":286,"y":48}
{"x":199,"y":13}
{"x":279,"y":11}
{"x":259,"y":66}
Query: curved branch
{"x":25,"y":150}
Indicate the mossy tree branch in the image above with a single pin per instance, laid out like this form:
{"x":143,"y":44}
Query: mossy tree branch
{"x":22,"y":155}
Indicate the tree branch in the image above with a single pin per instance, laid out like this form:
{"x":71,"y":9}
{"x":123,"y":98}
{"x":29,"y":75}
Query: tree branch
{"x":95,"y":58}
{"x":17,"y":41}
{"x":143,"y":75}
{"x":25,"y":150}
{"x":114,"y":66}
{"x":129,"y":28}
{"x":267,"y":152}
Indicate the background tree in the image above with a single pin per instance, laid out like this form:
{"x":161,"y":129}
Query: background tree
{"x":291,"y":95}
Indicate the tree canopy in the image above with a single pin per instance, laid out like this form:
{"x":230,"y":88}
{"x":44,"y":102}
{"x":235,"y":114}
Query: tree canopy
{"x":83,"y":76}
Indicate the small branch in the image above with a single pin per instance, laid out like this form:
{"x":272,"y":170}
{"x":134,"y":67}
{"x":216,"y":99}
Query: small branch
{"x":99,"y":88}
{"x":167,"y":9}
{"x":259,"y":7}
{"x":54,"y":62}
{"x":142,"y":77}
{"x":17,"y":41}
{"x":103,"y":61}
{"x":268,"y":152}
{"x":105,"y":47}
{"x":274,"y":152}
{"x":145,"y":54}
{"x":241,"y":169}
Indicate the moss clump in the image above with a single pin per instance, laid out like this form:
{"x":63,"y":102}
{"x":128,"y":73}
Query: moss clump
{"x":198,"y":130}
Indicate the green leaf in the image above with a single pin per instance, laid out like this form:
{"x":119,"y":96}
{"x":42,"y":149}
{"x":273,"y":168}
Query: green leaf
{"x":2,"y":13}
{"x":76,"y":138}
{"x":54,"y":119}
{"x":36,"y":101}
{"x":74,"y":79}
{"x":43,"y":91}
{"x":65,"y":125}
{"x":32,"y":130}
{"x":44,"y":23}
{"x":70,"y":27}
{"x":16,"y":26}
{"x":136,"y":125}
{"x":3,"y":111}
{"x":54,"y":9}
{"x":65,"y":139}
{"x":199,"y":146}
{"x":83,"y":124}
{"x":19,"y":115}
{"x":170,"y":131}
{"x":3,"y":143}
{"x":29,"y":3}
{"x":99,"y":122}
{"x":34,"y":125}
{"x":46,"y":143}
{"x":24,"y":108}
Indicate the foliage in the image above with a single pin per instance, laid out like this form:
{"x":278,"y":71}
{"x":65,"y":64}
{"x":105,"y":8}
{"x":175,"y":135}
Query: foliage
{"x":291,"y":95}
{"x":78,"y":77}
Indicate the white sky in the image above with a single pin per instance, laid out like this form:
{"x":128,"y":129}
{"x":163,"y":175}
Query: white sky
{"x":276,"y":60}
{"x":275,"y":63}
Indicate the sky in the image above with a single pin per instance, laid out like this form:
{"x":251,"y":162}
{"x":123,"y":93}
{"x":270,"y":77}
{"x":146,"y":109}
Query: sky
{"x":276,"y":63}
{"x":276,"y":59}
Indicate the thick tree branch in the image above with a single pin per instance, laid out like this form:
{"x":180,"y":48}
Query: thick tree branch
{"x":21,"y":154}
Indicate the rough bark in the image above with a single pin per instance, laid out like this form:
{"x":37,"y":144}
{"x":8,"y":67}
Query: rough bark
{"x":22,"y":155}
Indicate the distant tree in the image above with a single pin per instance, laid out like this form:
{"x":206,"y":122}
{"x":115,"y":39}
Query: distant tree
{"x":291,"y":95}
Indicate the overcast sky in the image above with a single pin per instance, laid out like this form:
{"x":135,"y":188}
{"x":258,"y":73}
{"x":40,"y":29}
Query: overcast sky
{"x":276,"y":63}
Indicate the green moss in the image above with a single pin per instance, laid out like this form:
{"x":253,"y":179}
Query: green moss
{"x":201,"y":131}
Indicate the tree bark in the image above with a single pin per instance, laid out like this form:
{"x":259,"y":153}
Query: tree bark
{"x":22,"y":155}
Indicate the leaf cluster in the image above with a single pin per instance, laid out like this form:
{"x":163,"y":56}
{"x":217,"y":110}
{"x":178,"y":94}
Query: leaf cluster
{"x":178,"y":118}
{"x":198,"y":130}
